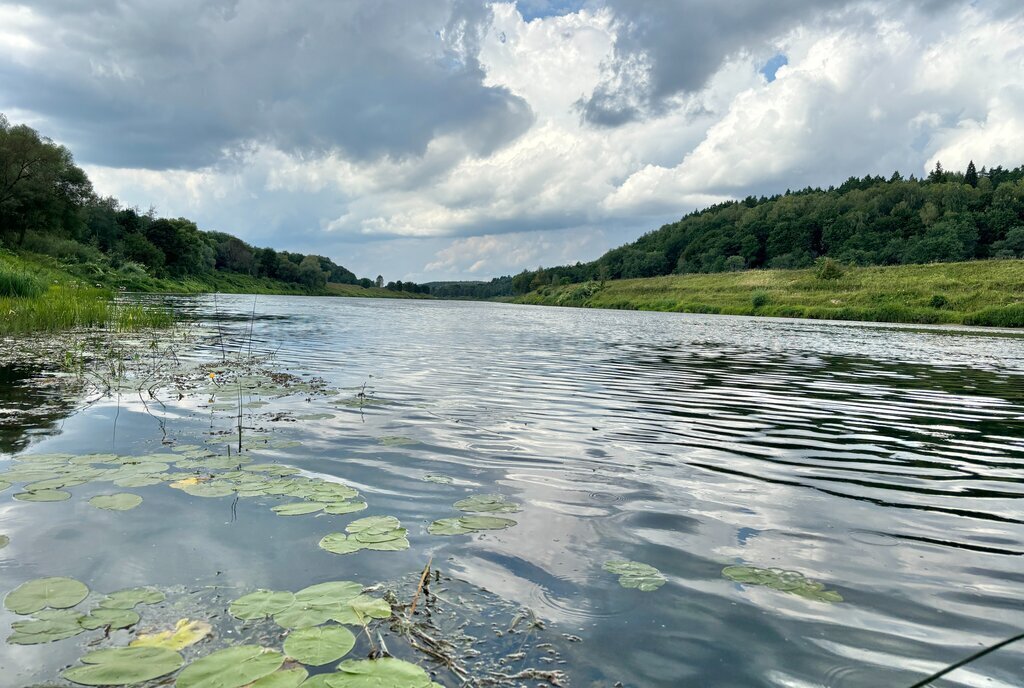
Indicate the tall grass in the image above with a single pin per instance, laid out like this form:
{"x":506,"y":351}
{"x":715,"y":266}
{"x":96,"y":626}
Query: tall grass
{"x":16,"y":282}
{"x":65,"y":307}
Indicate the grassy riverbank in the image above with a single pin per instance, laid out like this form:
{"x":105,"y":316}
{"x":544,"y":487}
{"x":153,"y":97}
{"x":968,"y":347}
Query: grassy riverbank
{"x":974,"y":293}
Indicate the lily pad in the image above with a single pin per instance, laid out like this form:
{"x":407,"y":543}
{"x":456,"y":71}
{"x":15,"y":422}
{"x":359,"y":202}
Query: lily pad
{"x":210,"y":489}
{"x":49,"y":626}
{"x":792,"y":582}
{"x":128,"y":598}
{"x":319,"y":645}
{"x":386,"y":672}
{"x":468,"y":524}
{"x":636,"y":575}
{"x":121,"y":501}
{"x":383,"y":533}
{"x":4,"y":485}
{"x":184,"y":634}
{"x":396,"y":441}
{"x":341,"y":508}
{"x":283,"y":678}
{"x":329,"y":594}
{"x":4,"y":541}
{"x":304,"y":615}
{"x":261,"y":604}
{"x":487,"y":503}
{"x":298,"y":508}
{"x":231,"y":668}
{"x":43,"y":496}
{"x":357,"y":610}
{"x":109,"y":618}
{"x":438,"y":478}
{"x":57,"y":593}
{"x":124,"y":665}
{"x":142,"y":480}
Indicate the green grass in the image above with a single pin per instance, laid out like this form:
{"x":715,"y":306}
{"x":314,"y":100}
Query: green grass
{"x":987,"y":292}
{"x":69,"y":307}
{"x":16,"y":281}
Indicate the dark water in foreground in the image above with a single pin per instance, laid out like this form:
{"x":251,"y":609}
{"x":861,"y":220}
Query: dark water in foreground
{"x":885,"y":462}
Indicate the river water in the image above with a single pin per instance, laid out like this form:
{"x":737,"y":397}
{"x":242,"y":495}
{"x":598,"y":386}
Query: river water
{"x":884,"y":462}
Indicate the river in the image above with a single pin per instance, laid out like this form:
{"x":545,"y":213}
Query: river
{"x":882,"y":463}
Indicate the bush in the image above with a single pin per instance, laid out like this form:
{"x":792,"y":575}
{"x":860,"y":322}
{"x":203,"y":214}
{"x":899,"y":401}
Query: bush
{"x":938,"y":301}
{"x":1004,"y":316}
{"x":759,"y":299}
{"x":828,"y":269}
{"x":16,"y":282}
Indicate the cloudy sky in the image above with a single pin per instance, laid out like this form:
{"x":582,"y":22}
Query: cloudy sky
{"x":456,"y":139}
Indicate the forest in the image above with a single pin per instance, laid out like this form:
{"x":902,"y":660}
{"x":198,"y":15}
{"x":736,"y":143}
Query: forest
{"x":48,"y":206}
{"x":869,"y":221}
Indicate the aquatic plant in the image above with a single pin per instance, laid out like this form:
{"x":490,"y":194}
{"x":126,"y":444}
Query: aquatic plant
{"x":319,"y":645}
{"x":468,"y":524}
{"x":54,"y":593}
{"x":184,"y":634}
{"x":124,"y":665}
{"x":232,"y":667}
{"x":487,"y":503}
{"x":382,"y":533}
{"x":636,"y":575}
{"x":782,"y":580}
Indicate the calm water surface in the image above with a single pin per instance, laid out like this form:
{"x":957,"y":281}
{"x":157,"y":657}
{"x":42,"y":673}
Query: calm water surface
{"x":885,"y":462}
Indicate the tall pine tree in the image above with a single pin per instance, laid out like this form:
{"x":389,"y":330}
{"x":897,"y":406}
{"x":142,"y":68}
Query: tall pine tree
{"x":971,"y":175}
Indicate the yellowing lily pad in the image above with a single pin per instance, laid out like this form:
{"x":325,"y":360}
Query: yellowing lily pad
{"x":184,"y":634}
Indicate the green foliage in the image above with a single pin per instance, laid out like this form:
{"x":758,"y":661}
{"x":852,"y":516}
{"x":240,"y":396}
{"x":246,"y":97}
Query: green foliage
{"x":938,"y":301}
{"x":636,"y":575}
{"x":828,"y":269}
{"x":124,"y":665}
{"x":233,"y":667}
{"x":784,"y":581}
{"x":16,"y":282}
{"x":55,"y":593}
{"x":759,"y":299}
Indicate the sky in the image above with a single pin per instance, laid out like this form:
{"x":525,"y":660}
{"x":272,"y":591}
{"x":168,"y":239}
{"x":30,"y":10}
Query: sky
{"x":457,"y":139}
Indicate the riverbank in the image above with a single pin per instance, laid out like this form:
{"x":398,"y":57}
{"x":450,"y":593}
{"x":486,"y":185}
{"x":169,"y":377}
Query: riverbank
{"x":972,"y":293}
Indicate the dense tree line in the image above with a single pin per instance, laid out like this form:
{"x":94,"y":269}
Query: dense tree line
{"x":47,"y":205}
{"x":499,"y":286}
{"x":410,"y":287}
{"x":948,"y":216}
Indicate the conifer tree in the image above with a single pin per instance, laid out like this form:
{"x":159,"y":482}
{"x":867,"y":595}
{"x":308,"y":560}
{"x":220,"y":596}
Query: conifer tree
{"x":971,"y":176}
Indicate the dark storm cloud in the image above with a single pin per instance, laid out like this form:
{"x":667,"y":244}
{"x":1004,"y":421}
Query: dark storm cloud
{"x":667,"y":47}
{"x":184,"y":84}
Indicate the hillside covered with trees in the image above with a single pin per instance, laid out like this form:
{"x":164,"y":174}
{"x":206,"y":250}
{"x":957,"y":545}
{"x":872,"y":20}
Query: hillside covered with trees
{"x":48,"y":206}
{"x":946,"y":217}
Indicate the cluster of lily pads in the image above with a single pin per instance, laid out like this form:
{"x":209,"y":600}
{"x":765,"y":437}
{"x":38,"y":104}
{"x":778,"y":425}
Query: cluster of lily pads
{"x":51,"y":603}
{"x":792,"y":582}
{"x":636,"y":575}
{"x":381,"y":533}
{"x":481,"y":509}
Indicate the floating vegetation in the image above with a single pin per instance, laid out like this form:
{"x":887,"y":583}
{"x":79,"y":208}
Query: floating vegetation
{"x":124,"y":665}
{"x":4,"y":541}
{"x":47,"y":627}
{"x":122,"y":501}
{"x":487,"y":503}
{"x":43,"y":496}
{"x":184,"y":634}
{"x":382,"y":533}
{"x":636,"y":575}
{"x":109,"y":618}
{"x":42,"y":593}
{"x":298,"y":508}
{"x":396,"y":441}
{"x":386,"y":672}
{"x":438,"y":478}
{"x":282,"y":678}
{"x":468,"y":524}
{"x":315,"y":416}
{"x":130,"y":597}
{"x":782,"y":580}
{"x":261,"y":604}
{"x":319,"y":645}
{"x":233,"y":667}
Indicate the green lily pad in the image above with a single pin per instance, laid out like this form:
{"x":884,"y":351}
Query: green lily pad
{"x":339,"y":543}
{"x":124,"y":665}
{"x":57,"y":593}
{"x":4,"y":485}
{"x":112,"y":618}
{"x":231,"y":668}
{"x":319,"y":645}
{"x":315,"y":416}
{"x":636,"y":575}
{"x":341,"y":508}
{"x":49,"y":626}
{"x":298,"y":508}
{"x":53,"y":484}
{"x":143,"y":480}
{"x":386,"y":672}
{"x":210,"y":489}
{"x":128,"y":598}
{"x":122,"y":501}
{"x":487,"y":503}
{"x":396,"y":441}
{"x":792,"y":582}
{"x":283,"y":678}
{"x":438,"y":478}
{"x":275,"y":469}
{"x":383,"y":533}
{"x":43,"y":496}
{"x":4,"y":541}
{"x":261,"y":604}
{"x":357,"y":610}
{"x":329,"y":594}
